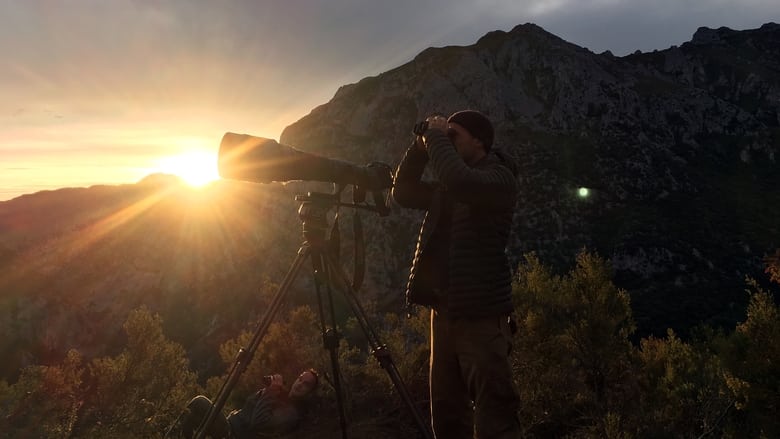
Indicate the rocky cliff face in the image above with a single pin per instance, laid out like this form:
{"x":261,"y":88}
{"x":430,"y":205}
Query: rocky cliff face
{"x":677,"y":147}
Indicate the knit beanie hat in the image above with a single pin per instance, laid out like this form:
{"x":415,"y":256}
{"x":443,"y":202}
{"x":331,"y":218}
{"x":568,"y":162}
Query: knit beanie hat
{"x":476,"y":124}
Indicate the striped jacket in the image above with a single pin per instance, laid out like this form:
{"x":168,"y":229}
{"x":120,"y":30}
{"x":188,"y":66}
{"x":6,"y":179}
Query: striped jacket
{"x":267,"y":413}
{"x":460,"y":264}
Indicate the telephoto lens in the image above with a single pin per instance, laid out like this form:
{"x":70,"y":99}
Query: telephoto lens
{"x":260,"y":160}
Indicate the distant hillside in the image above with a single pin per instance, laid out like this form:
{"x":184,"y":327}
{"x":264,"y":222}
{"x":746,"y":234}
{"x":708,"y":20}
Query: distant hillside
{"x":678,"y":148}
{"x":74,"y":262}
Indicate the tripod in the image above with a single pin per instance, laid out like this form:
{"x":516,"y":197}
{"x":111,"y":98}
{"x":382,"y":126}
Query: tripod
{"x":313,"y":214}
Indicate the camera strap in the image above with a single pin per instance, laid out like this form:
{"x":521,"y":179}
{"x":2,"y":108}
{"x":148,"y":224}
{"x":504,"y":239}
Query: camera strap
{"x":360,"y":253}
{"x":334,"y":248}
{"x":334,"y":242}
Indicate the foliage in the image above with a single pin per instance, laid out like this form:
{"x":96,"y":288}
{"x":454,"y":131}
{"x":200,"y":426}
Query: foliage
{"x":288,"y":347}
{"x":682,"y":388}
{"x":135,"y":394}
{"x":142,"y":389}
{"x":578,"y":371}
{"x":579,"y":376}
{"x":372,"y":394}
{"x":45,"y":401}
{"x":752,"y":359}
{"x":773,"y":266}
{"x":295,"y":343}
{"x":572,"y":354}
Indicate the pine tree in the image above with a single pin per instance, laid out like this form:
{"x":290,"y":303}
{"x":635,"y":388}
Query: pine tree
{"x":752,"y":362}
{"x":139,"y":392}
{"x":45,"y":401}
{"x":572,"y":357}
{"x":683,"y":393}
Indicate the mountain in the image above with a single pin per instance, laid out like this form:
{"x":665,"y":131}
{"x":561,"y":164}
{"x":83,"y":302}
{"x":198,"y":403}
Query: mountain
{"x":74,"y":262}
{"x":678,"y":149}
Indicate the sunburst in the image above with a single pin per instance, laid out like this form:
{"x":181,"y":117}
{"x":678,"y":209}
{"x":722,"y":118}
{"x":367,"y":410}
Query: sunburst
{"x":195,"y":168}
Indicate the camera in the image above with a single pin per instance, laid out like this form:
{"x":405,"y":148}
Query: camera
{"x":420,"y":128}
{"x":267,"y":379}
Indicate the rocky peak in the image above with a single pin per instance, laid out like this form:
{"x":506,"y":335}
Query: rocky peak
{"x":707,"y":36}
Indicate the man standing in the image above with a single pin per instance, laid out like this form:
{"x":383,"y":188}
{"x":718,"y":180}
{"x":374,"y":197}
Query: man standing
{"x":461,"y":271}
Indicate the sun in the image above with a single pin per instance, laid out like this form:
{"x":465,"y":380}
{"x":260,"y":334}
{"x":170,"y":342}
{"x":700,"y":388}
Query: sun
{"x":195,"y":168}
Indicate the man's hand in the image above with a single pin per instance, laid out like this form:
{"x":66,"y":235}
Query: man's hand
{"x":435,"y":122}
{"x":375,"y":176}
{"x":277,"y":380}
{"x":419,"y":143}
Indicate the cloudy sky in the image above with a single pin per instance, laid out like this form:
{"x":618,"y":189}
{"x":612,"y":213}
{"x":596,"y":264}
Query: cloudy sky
{"x":107,"y":91}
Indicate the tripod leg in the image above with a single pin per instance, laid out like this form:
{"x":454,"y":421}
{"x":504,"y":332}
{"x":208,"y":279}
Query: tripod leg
{"x":378,"y":349}
{"x":244,"y":356}
{"x":330,"y":336}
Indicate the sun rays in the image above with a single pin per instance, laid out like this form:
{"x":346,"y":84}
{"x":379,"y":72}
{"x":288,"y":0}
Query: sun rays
{"x":195,"y":168}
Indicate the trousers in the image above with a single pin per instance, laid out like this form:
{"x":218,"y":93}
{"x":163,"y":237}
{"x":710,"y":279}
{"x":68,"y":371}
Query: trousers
{"x":471,"y":387}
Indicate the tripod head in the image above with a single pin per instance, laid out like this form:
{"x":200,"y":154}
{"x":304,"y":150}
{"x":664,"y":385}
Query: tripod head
{"x":315,"y":206}
{"x":313,"y":214}
{"x":380,"y":199}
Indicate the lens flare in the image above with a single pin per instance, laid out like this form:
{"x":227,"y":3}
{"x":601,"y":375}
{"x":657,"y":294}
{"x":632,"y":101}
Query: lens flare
{"x":196,"y":168}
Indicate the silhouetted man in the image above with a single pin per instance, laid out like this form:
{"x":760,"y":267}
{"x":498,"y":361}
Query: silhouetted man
{"x":461,"y":271}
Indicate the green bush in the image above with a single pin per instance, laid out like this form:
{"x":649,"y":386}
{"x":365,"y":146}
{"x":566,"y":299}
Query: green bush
{"x":751,"y":357}
{"x":682,"y":389}
{"x":572,"y":356}
{"x":139,"y":392}
{"x":45,"y":401}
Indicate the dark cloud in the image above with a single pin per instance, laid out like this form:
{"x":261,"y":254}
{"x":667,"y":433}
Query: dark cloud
{"x":298,"y":52}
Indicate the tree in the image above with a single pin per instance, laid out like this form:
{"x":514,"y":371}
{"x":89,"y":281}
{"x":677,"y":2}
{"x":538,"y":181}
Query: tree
{"x":45,"y":401}
{"x":139,"y":392}
{"x":752,"y":362}
{"x":572,"y":357}
{"x":683,"y":393}
{"x":773,"y":266}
